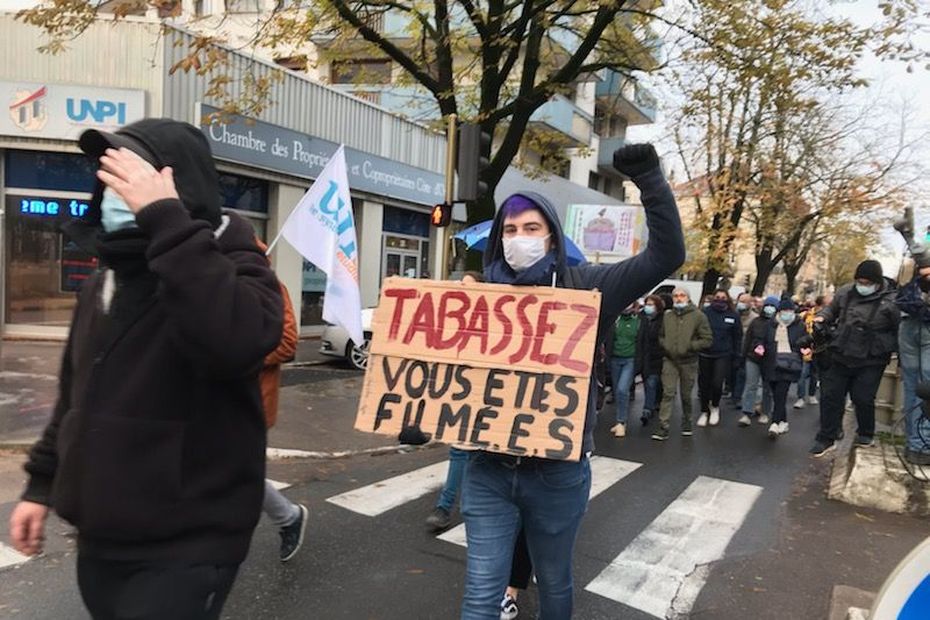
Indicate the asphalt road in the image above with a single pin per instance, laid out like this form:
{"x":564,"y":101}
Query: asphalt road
{"x":736,"y":526}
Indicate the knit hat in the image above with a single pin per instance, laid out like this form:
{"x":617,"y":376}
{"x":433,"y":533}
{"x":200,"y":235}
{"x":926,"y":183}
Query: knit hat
{"x":786,"y":304}
{"x":870,"y":270}
{"x":771,"y":300}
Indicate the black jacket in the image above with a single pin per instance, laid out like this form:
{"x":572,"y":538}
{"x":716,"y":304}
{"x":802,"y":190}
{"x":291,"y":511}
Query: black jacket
{"x":620,"y":283}
{"x":756,"y":333}
{"x":784,"y":366}
{"x":728,"y":333}
{"x":865,"y":328}
{"x":156,"y":447}
{"x":649,"y":353}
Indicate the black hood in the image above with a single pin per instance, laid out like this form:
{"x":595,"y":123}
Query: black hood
{"x":495,"y":247}
{"x":162,"y":142}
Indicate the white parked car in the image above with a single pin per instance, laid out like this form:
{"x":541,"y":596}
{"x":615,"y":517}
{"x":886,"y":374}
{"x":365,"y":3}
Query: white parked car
{"x":335,"y":341}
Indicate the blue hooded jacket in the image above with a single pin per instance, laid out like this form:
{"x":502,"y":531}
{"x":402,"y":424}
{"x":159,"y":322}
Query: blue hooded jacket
{"x":620,"y":283}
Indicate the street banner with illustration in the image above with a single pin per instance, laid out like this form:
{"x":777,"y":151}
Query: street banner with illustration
{"x":607,"y":231}
{"x":482,"y":366}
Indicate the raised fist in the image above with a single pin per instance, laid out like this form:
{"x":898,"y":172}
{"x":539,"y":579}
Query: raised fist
{"x":633,"y":160}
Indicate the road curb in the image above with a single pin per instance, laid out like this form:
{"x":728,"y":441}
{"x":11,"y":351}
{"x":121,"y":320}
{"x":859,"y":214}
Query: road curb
{"x":284,"y":454}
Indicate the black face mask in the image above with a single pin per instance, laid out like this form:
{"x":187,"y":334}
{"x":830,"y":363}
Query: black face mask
{"x":924,"y":284}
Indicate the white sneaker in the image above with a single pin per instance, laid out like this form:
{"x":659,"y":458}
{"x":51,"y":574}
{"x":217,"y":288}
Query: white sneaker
{"x":773,"y":430}
{"x":509,"y":609}
{"x":782,"y":428}
{"x":812,"y":400}
{"x":702,"y":420}
{"x":714,"y":416}
{"x":763,"y":419}
{"x":744,"y":420}
{"x":619,"y":430}
{"x":799,"y":403}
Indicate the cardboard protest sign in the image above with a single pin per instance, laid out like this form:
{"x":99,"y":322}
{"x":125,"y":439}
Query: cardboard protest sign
{"x":497,"y":367}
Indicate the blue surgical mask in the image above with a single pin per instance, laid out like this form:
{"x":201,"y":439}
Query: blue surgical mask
{"x":866,"y":289}
{"x":769,"y":311}
{"x":115,"y":214}
{"x":741,"y":306}
{"x":786,"y":317}
{"x":649,"y":310}
{"x":680,"y":305}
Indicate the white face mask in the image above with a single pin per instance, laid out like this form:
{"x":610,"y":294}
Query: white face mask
{"x":521,"y":253}
{"x":115,"y":214}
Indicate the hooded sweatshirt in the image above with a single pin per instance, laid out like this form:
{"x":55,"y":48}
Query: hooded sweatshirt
{"x":156,"y":446}
{"x":619,"y":283}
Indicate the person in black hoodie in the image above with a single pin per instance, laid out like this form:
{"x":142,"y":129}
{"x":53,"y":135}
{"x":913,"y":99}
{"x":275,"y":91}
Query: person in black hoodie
{"x":649,"y":355}
{"x":548,"y":497}
{"x":156,"y":447}
{"x":714,"y":364}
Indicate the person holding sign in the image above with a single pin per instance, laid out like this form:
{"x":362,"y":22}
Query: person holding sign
{"x":548,"y":496}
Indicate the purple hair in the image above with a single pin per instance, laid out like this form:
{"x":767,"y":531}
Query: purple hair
{"x":517,"y":204}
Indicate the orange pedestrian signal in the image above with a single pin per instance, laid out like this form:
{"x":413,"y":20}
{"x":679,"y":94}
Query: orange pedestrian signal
{"x":441,"y":215}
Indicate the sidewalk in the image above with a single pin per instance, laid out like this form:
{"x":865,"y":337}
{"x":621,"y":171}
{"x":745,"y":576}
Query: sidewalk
{"x":318,"y":401}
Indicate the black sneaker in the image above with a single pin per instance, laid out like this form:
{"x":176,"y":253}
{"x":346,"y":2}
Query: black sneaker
{"x":822,"y":447}
{"x":292,"y":536}
{"x":439,"y":519}
{"x":661,"y":433}
{"x":686,"y":430}
{"x":862,"y":441}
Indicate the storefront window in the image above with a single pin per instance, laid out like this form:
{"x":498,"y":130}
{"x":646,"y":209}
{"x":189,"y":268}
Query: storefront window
{"x":44,"y":270}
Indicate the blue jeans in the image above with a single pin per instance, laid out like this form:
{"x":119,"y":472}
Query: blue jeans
{"x":621,"y":375}
{"x":807,"y":384}
{"x":751,"y":391}
{"x":548,"y":498}
{"x":651,"y":385}
{"x":457,"y":460}
{"x":914,"y":360}
{"x":739,"y":380}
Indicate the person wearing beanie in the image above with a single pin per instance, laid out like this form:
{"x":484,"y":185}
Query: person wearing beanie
{"x":786,"y":342}
{"x":755,"y":334}
{"x":863,"y":319}
{"x":715,"y":362}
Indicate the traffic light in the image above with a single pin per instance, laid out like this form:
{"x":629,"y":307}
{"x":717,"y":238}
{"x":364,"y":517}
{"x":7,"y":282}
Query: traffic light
{"x":441,"y":215}
{"x":473,"y":158}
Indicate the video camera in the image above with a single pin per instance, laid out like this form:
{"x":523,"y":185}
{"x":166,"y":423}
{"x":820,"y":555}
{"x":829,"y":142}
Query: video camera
{"x":905,"y":226}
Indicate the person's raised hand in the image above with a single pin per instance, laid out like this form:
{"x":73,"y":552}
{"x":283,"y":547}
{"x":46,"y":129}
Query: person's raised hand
{"x":633,"y":160}
{"x":136,"y":181}
{"x":27,"y":527}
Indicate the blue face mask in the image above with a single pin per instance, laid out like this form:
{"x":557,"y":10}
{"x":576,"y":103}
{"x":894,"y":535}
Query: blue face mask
{"x":649,"y":310}
{"x":866,"y":289}
{"x":680,"y":305}
{"x":769,"y":311}
{"x":115,"y":214}
{"x":786,"y":317}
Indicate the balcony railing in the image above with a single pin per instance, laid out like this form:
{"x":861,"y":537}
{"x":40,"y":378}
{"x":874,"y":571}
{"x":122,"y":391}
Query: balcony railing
{"x":565,"y":117}
{"x":627,"y":97}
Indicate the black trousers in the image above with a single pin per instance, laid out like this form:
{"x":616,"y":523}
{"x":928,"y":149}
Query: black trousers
{"x":780,"y":400}
{"x":711,"y":373}
{"x":861,"y":383}
{"x":521,"y":568}
{"x":114,"y":590}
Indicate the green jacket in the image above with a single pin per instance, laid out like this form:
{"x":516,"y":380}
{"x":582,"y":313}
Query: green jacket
{"x":685,"y":333}
{"x":625,"y":330}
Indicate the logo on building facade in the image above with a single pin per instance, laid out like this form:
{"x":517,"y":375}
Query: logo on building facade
{"x":28,"y":109}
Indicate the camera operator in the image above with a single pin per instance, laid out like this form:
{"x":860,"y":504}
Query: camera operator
{"x":914,"y":361}
{"x":864,"y":320}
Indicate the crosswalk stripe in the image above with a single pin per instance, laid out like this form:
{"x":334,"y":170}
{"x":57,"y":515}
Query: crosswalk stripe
{"x":10,"y":557}
{"x":279,"y":486}
{"x":663,"y":569}
{"x":382,"y":496}
{"x":605,"y":472}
